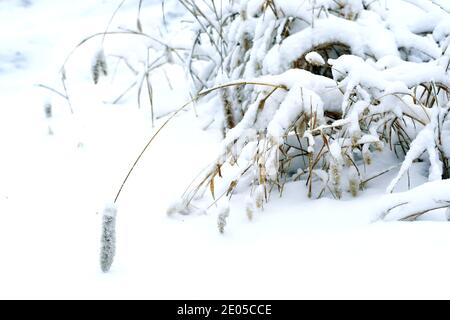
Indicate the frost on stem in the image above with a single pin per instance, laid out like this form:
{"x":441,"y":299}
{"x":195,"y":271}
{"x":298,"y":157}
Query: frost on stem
{"x":99,"y":66}
{"x":108,"y":239}
{"x":222,"y":219}
{"x":367,"y":156}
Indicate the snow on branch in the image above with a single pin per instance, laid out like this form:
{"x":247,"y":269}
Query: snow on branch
{"x":414,"y":203}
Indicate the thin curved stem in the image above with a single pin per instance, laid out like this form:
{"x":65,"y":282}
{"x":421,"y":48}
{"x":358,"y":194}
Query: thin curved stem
{"x":201,"y":94}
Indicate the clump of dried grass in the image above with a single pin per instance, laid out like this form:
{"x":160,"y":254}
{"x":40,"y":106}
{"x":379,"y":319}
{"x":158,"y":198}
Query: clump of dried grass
{"x":305,"y":151}
{"x":304,"y":154}
{"x":296,"y":159}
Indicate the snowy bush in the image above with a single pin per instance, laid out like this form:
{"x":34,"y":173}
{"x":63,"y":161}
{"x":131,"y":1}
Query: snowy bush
{"x":314,"y":89}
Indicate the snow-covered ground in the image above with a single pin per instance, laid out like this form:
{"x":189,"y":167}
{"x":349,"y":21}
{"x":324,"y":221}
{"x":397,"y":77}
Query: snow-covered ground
{"x":53,"y":189}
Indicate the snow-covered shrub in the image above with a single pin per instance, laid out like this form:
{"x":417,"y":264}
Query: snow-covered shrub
{"x":314,"y":89}
{"x":311,"y":90}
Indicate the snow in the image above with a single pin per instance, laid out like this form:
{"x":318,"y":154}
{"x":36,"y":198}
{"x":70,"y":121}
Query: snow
{"x":53,"y":188}
{"x":299,"y":100}
{"x":295,"y":46}
{"x":315,"y":59}
{"x":431,"y":195}
{"x":335,"y":150}
{"x":423,"y":142}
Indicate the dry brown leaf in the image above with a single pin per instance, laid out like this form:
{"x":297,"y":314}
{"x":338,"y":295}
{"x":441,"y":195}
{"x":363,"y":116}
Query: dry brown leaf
{"x":233,"y":185}
{"x":211,"y":188}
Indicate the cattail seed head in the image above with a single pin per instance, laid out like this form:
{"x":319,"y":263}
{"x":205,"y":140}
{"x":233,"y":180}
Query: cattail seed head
{"x":99,"y":66}
{"x":249,"y":211}
{"x":353,"y":186}
{"x":222,"y":219}
{"x":379,"y":146}
{"x":250,"y":208}
{"x":354,"y":181}
{"x":367,"y":158}
{"x":335,"y":178}
{"x":108,"y":238}
{"x":48,"y":110}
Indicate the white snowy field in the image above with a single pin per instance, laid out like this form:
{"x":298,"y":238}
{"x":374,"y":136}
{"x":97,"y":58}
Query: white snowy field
{"x":53,"y":189}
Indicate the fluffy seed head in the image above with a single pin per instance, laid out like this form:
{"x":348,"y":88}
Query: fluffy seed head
{"x":108,"y":238}
{"x":99,"y":66}
{"x":222,"y":219}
